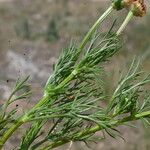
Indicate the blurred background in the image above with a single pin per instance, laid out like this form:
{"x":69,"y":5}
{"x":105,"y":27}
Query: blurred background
{"x":32,"y":35}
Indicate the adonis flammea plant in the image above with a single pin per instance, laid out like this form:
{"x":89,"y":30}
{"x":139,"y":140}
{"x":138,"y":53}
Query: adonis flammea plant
{"x":73,"y":93}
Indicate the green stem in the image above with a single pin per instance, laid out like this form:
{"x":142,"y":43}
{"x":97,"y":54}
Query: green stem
{"x":143,"y":114}
{"x":81,"y":46}
{"x":83,"y":43}
{"x":118,"y":33}
{"x":46,"y":117}
{"x":41,"y":102}
{"x":86,"y":39}
{"x":10,"y":132}
{"x":126,"y":21}
{"x":94,"y":27}
{"x":95,"y":129}
{"x":23,"y":119}
{"x":68,"y":79}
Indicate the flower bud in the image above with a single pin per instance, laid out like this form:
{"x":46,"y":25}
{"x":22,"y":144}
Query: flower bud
{"x":138,"y":8}
{"x":127,"y":3}
{"x":120,"y":4}
{"x":117,"y":4}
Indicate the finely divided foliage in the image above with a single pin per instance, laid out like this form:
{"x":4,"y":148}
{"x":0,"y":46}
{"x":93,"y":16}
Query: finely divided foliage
{"x":71,"y":107}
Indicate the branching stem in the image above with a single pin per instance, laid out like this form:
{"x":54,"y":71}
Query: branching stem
{"x":95,"y":129}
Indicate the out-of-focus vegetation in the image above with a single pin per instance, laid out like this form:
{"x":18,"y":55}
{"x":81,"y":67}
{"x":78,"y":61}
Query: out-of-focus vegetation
{"x":32,"y":34}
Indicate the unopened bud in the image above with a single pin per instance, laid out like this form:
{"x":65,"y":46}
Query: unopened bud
{"x":127,"y":3}
{"x":117,"y":4}
{"x":138,"y":8}
{"x":120,"y":4}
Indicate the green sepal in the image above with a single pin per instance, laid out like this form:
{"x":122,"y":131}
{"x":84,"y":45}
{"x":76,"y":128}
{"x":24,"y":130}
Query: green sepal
{"x":117,"y":4}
